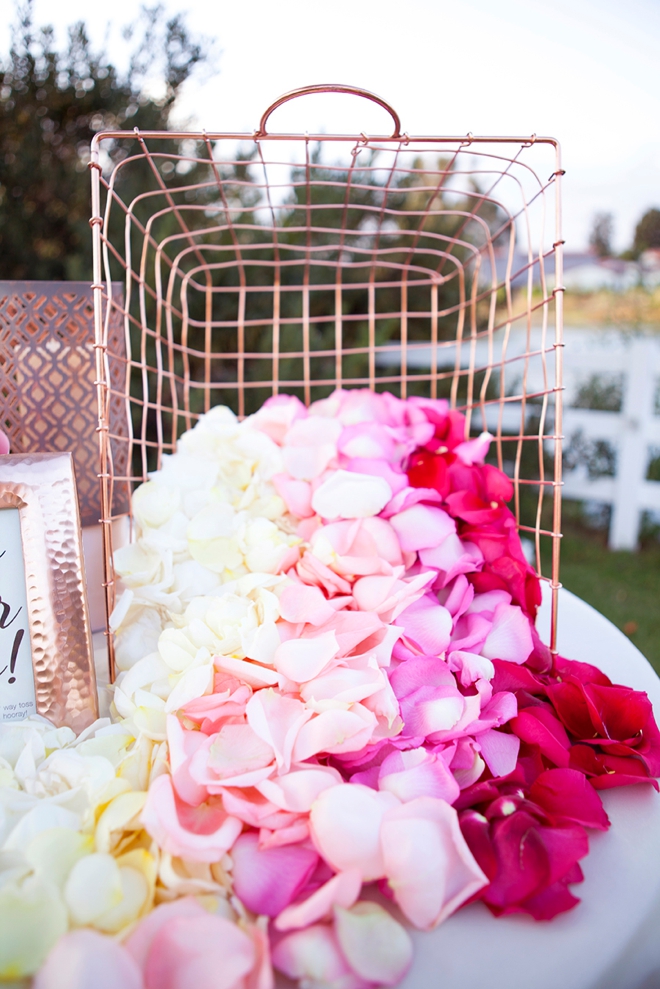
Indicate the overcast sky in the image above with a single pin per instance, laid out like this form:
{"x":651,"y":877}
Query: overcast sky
{"x":584,"y":71}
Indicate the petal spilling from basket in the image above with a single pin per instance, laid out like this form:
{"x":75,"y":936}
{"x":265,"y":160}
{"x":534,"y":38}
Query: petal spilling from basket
{"x":328,"y":655}
{"x":313,"y":955}
{"x":376,"y":947}
{"x":345,"y":825}
{"x":430,"y":869}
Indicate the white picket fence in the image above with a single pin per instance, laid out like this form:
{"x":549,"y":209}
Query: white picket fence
{"x":633,"y":432}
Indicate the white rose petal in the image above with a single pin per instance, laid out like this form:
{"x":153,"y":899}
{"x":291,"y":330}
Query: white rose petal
{"x":348,"y":495}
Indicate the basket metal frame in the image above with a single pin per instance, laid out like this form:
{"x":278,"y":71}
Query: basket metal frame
{"x":493,"y":150}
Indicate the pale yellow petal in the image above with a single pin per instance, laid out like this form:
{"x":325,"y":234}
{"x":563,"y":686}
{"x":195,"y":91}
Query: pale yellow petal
{"x":53,"y":853}
{"x":33,"y":919}
{"x":94,"y":888}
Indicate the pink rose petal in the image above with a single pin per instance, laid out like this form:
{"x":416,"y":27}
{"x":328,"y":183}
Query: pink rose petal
{"x":429,"y":866}
{"x":84,"y":959}
{"x":266,"y":881}
{"x":202,"y":834}
{"x":340,"y":891}
{"x":345,"y":825}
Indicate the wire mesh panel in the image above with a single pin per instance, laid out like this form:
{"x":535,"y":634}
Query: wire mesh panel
{"x":266,"y":263}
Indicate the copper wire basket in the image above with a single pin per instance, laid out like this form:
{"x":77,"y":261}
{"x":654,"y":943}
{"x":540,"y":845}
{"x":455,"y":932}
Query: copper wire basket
{"x":276,"y":262}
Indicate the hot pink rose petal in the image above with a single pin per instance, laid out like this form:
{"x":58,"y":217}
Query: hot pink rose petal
{"x":266,"y":881}
{"x":566,"y":794}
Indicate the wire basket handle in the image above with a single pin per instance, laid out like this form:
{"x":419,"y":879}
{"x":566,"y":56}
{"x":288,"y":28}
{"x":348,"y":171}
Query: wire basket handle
{"x":329,"y":88}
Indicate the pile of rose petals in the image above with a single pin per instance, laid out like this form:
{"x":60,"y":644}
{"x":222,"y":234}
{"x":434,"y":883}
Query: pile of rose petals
{"x":332,"y":678}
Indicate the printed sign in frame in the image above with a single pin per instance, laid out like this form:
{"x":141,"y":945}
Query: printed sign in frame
{"x":46,"y":656}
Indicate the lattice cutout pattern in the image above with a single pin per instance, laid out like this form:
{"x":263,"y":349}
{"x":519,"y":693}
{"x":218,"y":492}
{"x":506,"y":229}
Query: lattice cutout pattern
{"x":48,"y":401}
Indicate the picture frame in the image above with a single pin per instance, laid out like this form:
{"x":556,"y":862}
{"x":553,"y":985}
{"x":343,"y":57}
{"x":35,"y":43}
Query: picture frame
{"x":46,"y":654}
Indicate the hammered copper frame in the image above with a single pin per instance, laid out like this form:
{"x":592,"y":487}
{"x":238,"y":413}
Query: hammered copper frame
{"x":266,"y":262}
{"x":42,"y":487}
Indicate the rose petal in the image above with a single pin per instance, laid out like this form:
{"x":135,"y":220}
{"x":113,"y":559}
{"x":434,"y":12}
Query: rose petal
{"x":86,"y":960}
{"x":375,"y":946}
{"x":348,"y":495}
{"x":429,"y":866}
{"x":345,"y":826}
{"x":340,"y":891}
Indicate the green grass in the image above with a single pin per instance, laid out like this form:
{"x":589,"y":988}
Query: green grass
{"x":623,"y":586}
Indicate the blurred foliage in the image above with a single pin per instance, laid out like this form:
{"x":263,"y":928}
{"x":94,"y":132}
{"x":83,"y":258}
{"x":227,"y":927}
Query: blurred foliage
{"x":647,"y":232}
{"x":51,"y":104}
{"x":603,"y":392}
{"x":597,"y":456}
{"x":600,"y":238}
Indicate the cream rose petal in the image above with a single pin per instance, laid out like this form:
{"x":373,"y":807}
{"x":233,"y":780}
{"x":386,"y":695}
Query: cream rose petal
{"x":375,"y":946}
{"x":53,"y":853}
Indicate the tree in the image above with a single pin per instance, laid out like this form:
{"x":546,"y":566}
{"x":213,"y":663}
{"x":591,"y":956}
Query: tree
{"x":647,"y":232}
{"x":600,"y":238}
{"x":51,"y":104}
